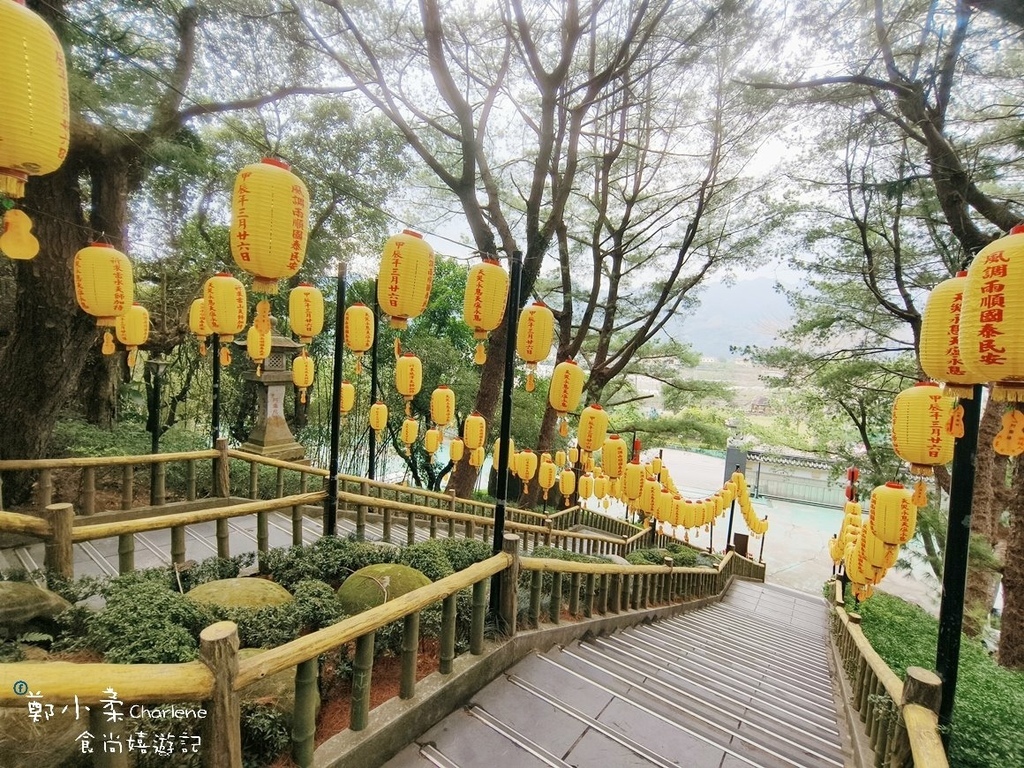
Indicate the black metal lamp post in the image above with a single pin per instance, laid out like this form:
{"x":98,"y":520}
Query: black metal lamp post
{"x":732,"y":512}
{"x":371,"y":470}
{"x":954,"y":568}
{"x":215,"y":390}
{"x":501,"y":486}
{"x":330,"y":523}
{"x":156,"y":372}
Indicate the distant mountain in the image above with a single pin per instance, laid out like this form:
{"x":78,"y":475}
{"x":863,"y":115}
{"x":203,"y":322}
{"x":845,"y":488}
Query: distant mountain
{"x":746,"y":312}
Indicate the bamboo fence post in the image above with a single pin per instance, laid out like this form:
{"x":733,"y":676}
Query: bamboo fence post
{"x":547,"y":533}
{"x":362,"y":678}
{"x":59,"y":554}
{"x":574,"y":594}
{"x":127,"y":486}
{"x":223,"y":539}
{"x":410,"y":655}
{"x":667,"y":593}
{"x":297,"y":525}
{"x":178,"y":544}
{"x":361,"y":510}
{"x":262,"y":539}
{"x":615,"y":592}
{"x":304,"y":713}
{"x":221,"y":728}
{"x":476,"y":634}
{"x":555,"y":605}
{"x":280,"y":482}
{"x":452,"y":501}
{"x":433,"y":525}
{"x":159,"y":489}
{"x":190,"y":480}
{"x":448,"y":634}
{"x":921,"y":687}
{"x":222,"y":470}
{"x":45,"y":488}
{"x":126,"y":553}
{"x":387,"y":525}
{"x":602,"y":606}
{"x":634,"y":597}
{"x":254,"y":480}
{"x":89,"y":490}
{"x":535,"y":595}
{"x":410,"y":532}
{"x":508,"y":609}
{"x":113,"y":732}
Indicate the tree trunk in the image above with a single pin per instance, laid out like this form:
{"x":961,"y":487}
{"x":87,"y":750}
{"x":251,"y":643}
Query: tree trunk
{"x":42,"y":358}
{"x":99,"y":385}
{"x":988,"y":481}
{"x":1011,"y":639}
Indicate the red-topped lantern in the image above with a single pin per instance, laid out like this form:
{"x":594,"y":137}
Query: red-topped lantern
{"x":408,"y":378}
{"x":940,"y":334}
{"x":226,"y":310}
{"x":893,"y":515}
{"x":534,"y":335}
{"x":442,"y":406}
{"x":406,"y":276}
{"x":921,"y":431}
{"x":104,"y":286}
{"x":593,"y":428}
{"x":359,"y":331}
{"x":302,"y":374}
{"x":305,"y":311}
{"x":483,"y":306}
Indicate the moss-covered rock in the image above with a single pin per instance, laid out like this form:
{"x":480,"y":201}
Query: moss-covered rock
{"x":240,"y":593}
{"x":23,"y":604}
{"x":376,"y":584}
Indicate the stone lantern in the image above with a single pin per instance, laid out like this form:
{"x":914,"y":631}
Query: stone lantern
{"x":271,"y":436}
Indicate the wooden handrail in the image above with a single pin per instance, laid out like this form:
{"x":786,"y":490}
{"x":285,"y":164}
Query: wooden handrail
{"x":312,"y":645}
{"x":89,"y":531}
{"x":563,"y":512}
{"x":550,"y":565}
{"x":15,"y":522}
{"x":255,"y":458}
{"x":60,"y":682}
{"x":923,"y":733}
{"x":638,"y":535}
{"x":18,"y":465}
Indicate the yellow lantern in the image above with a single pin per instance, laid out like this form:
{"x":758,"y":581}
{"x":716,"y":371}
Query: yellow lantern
{"x":34,"y":112}
{"x":133,"y":330}
{"x":940,"y":332}
{"x":656,"y":465}
{"x":992,"y":319}
{"x":689,"y":515}
{"x":835,"y":549}
{"x":16,"y":238}
{"x":601,"y":486}
{"x":226,"y":309}
{"x":663,"y":507}
{"x":457,"y":449}
{"x":432,"y":441}
{"x":876,"y":552}
{"x":614,"y":456}
{"x":586,"y":488}
{"x":104,"y":286}
{"x":410,"y":431}
{"x":347,"y":401}
{"x":302,"y":374}
{"x":534,"y":335}
{"x":526,"y":467}
{"x":560,"y":458}
{"x":476,"y":457}
{"x":567,"y":484}
{"x":649,"y":491}
{"x":858,"y":569}
{"x":199,"y":323}
{"x":546,"y":475}
{"x":893,"y":515}
{"x":921,"y":432}
{"x":483,"y":305}
{"x":378,"y":416}
{"x":442,"y":406}
{"x":269,"y":226}
{"x":593,"y":428}
{"x":574,"y":455}
{"x":565,"y":392}
{"x":408,"y":378}
{"x":406,"y":276}
{"x":474,"y":431}
{"x":305,"y":312}
{"x":359,"y":331}
{"x":496,"y":454}
{"x":258,"y":344}
{"x":632,"y":481}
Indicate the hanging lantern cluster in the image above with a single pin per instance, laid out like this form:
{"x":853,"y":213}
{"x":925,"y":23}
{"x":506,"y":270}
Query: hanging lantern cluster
{"x":405,"y":277}
{"x":226,"y":310}
{"x":565,"y":392}
{"x":269,"y":227}
{"x":534,"y":336}
{"x":34,"y":117}
{"x":358,"y":331}
{"x":922,"y":431}
{"x":483,"y":306}
{"x":104,"y":286}
{"x":305,"y":312}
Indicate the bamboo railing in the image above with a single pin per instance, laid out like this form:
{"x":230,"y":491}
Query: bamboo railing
{"x":900,"y":717}
{"x":220,"y":678}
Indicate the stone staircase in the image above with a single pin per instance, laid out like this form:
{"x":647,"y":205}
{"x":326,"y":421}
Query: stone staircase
{"x":744,"y":682}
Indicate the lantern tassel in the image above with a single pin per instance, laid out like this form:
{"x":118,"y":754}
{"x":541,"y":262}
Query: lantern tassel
{"x":225,"y":356}
{"x":302,"y":395}
{"x":1010,"y":440}
{"x":16,"y":238}
{"x":133,"y":355}
{"x":480,"y":355}
{"x":259,"y":368}
{"x":398,"y":347}
{"x":563,"y":427}
{"x":956,"y":422}
{"x":202,"y":348}
{"x":920,"y":497}
{"x":530,"y":384}
{"x":359,"y":363}
{"x":408,"y":409}
{"x":108,"y":343}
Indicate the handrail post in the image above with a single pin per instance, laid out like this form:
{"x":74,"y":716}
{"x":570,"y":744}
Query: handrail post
{"x":508,"y":606}
{"x":362,"y":672}
{"x":304,"y":714}
{"x":222,"y":470}
{"x":222,"y":734}
{"x":922,"y":687}
{"x":59,"y":554}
